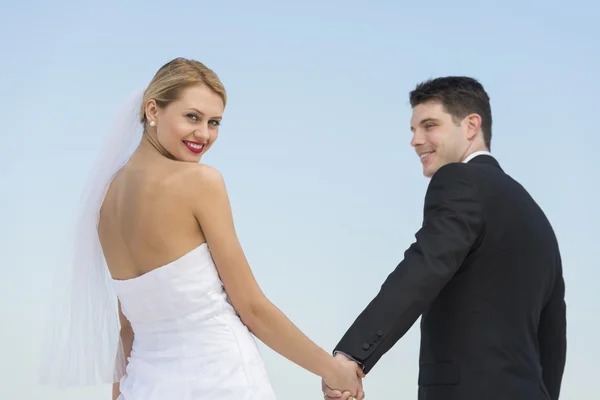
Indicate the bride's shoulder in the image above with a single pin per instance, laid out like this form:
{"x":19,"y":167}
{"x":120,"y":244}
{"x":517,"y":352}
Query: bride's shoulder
{"x":206,"y":174}
{"x":203,"y":177}
{"x":205,"y":188}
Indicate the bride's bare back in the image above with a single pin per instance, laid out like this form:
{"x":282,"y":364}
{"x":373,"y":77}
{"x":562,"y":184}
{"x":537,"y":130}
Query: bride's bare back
{"x":147,"y":218}
{"x":162,"y":205}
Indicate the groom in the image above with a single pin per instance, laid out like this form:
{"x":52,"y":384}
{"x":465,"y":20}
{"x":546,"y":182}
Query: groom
{"x":484,"y":272}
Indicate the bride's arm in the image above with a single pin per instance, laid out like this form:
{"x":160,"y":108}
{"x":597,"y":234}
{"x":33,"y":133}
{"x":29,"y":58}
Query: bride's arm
{"x":127,"y":341}
{"x":213,"y":212}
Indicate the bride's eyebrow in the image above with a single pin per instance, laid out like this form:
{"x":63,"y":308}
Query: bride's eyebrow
{"x":196,"y":110}
{"x":219,"y":117}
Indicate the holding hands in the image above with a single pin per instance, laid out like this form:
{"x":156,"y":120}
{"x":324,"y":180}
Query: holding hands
{"x":345,"y":381}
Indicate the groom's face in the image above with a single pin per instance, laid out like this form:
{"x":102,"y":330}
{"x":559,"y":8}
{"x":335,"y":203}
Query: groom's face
{"x":438,"y":139}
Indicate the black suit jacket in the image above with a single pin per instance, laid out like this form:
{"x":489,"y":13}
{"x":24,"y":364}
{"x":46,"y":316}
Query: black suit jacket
{"x":485,"y":274}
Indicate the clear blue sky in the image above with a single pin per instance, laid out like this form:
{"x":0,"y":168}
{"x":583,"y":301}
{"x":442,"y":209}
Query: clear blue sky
{"x":326,"y":191}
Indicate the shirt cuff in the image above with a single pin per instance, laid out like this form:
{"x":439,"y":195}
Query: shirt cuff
{"x":350,"y":357}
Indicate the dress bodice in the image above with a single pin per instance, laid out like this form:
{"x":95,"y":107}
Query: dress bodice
{"x":187,"y":291}
{"x":189,"y":343}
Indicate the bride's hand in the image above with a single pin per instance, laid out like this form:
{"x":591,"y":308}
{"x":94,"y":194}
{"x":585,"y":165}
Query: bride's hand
{"x":344,"y":377}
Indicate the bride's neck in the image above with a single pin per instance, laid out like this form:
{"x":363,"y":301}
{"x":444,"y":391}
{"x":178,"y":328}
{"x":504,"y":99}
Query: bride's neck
{"x":150,"y":144}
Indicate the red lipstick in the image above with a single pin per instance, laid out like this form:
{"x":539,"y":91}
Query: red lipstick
{"x":194,"y":147}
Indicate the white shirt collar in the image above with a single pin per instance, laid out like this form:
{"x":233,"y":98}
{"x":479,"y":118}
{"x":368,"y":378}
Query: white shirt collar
{"x":475,"y":154}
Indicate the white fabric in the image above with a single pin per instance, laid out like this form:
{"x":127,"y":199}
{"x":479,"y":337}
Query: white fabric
{"x":189,"y":342}
{"x":82,"y":343}
{"x":475,"y":154}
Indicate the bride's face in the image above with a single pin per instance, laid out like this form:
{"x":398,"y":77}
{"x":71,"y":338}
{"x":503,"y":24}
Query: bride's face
{"x":189,"y":126}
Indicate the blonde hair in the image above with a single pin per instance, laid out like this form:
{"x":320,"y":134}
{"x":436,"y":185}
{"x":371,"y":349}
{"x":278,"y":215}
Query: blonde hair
{"x":176,"y":76}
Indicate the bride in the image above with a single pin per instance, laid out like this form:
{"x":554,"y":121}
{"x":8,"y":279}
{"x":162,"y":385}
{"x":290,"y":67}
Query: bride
{"x":159,"y":282}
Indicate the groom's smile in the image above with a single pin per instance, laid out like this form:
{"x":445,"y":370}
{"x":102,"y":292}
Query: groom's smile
{"x":426,"y":157}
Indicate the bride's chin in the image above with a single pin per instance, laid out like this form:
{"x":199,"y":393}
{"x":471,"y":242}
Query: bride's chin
{"x":191,"y":159}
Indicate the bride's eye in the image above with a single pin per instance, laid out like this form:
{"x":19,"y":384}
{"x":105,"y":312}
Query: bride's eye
{"x":192,"y":117}
{"x":214,"y":122}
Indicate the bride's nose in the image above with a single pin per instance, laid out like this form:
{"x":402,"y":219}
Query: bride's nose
{"x":202,"y":133}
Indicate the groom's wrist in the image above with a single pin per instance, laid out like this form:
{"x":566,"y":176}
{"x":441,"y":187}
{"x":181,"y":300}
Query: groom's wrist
{"x":335,"y":353}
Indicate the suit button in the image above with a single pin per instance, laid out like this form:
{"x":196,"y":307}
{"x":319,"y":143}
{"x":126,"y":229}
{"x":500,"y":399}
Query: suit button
{"x":375,"y":338}
{"x":366,"y":346}
{"x":380,"y":333}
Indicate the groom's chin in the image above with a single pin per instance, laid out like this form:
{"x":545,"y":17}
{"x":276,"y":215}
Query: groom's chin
{"x":430,"y":169}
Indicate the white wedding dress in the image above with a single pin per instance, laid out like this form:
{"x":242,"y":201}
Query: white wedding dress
{"x":189,"y":343}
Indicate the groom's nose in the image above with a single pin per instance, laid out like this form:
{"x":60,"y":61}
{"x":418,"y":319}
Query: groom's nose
{"x":417,"y":138}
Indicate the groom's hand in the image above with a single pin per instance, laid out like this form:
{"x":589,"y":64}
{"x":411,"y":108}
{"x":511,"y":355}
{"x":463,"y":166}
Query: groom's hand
{"x":334,"y":394}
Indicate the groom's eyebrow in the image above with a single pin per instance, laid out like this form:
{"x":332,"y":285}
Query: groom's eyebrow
{"x":423,"y":122}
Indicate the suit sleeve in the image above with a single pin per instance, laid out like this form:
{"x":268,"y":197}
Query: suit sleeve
{"x":452,"y":225}
{"x":552,"y":338}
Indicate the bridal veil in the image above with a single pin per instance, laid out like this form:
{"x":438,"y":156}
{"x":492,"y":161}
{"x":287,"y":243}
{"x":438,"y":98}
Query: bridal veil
{"x":82,"y":343}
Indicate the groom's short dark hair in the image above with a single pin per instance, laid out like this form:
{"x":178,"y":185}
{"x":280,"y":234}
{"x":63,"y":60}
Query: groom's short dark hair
{"x":460,"y":96}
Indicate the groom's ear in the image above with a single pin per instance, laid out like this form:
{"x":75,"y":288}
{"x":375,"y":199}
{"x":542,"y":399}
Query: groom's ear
{"x":473,"y":125}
